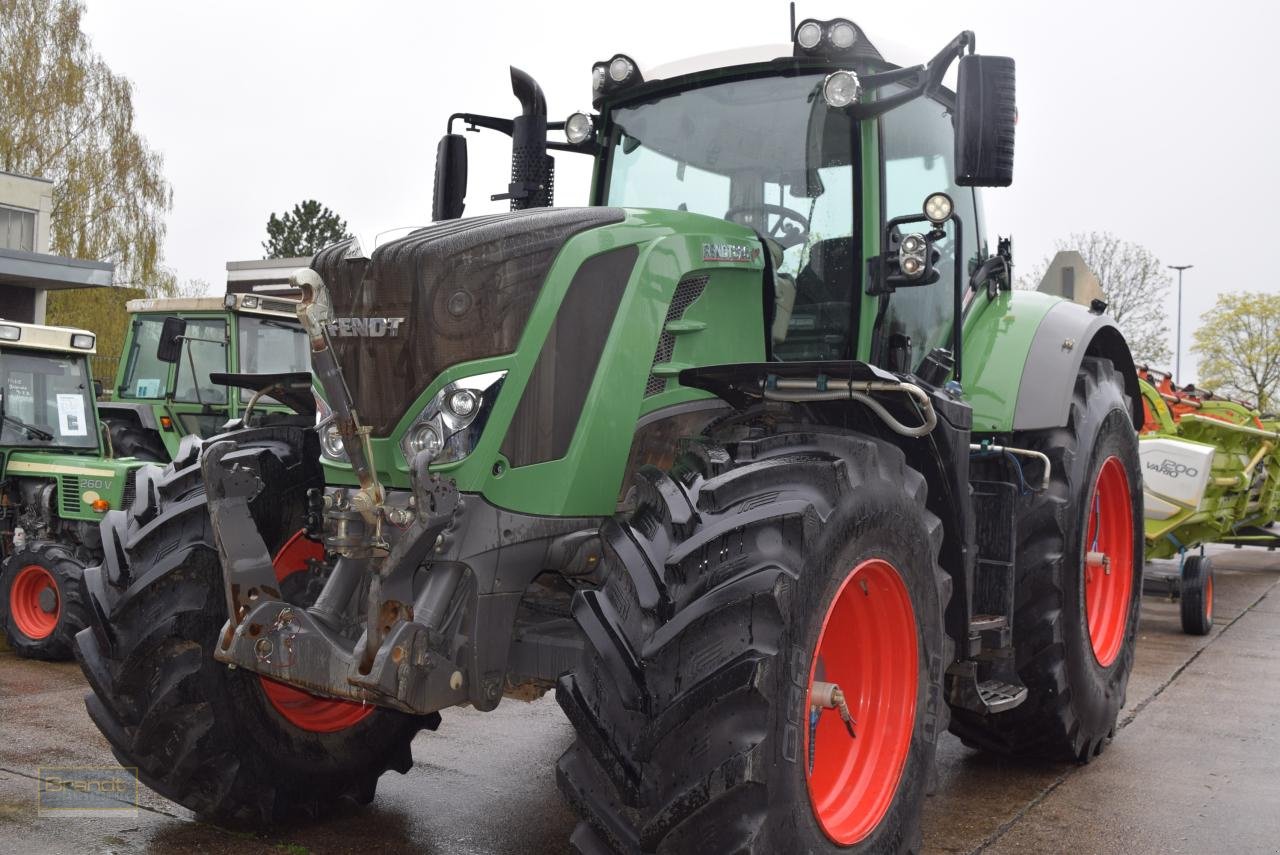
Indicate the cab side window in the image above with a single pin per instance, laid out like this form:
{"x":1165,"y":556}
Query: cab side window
{"x":918,"y":142}
{"x":206,"y":347}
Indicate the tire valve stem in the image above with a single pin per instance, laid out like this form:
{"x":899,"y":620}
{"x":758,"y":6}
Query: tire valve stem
{"x":829,"y":696}
{"x":1099,"y":559}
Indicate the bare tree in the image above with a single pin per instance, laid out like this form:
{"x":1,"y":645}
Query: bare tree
{"x":1238,"y":344}
{"x":1134,"y":283}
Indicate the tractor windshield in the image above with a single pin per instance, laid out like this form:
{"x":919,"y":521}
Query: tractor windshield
{"x":269,"y":346}
{"x":765,"y":152}
{"x":46,"y":399}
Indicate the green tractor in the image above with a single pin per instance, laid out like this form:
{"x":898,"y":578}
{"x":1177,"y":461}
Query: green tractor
{"x":757,"y":462}
{"x":58,"y":477}
{"x":155,"y":404}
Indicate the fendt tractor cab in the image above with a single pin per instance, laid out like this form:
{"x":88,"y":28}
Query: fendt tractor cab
{"x":58,"y":477}
{"x":155,"y":403}
{"x":757,"y":461}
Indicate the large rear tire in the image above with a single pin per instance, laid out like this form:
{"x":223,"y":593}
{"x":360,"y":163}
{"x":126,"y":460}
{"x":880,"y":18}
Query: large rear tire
{"x":42,"y":601}
{"x":758,"y":566}
{"x":219,"y":741}
{"x":1075,"y":619}
{"x":131,"y":440}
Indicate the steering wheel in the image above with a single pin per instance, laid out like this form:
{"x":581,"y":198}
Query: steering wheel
{"x":788,"y":237}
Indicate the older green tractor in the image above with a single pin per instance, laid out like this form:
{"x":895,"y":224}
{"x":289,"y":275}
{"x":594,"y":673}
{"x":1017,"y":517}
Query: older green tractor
{"x":757,"y":462}
{"x":58,"y":477}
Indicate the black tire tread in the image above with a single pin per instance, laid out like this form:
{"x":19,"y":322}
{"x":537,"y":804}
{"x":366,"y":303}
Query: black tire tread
{"x":68,"y":575}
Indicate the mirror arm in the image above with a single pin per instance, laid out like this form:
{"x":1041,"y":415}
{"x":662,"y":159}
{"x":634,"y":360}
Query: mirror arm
{"x":475,"y":121}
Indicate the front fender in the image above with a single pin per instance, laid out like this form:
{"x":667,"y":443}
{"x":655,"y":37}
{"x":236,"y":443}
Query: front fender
{"x":1022,"y":353}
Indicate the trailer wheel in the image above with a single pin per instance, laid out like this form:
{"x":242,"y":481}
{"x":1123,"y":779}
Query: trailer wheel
{"x":1197,"y":595}
{"x":1079,"y":578}
{"x":216,"y":740}
{"x":43,"y":601}
{"x":758,"y":571}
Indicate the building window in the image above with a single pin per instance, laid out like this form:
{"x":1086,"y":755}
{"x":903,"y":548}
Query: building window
{"x":17,"y":229}
{"x":1069,"y":283}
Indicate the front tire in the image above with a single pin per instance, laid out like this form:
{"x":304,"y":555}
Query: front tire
{"x":216,"y":740}
{"x":756,"y":568}
{"x":1079,"y":568}
{"x":42,"y":605}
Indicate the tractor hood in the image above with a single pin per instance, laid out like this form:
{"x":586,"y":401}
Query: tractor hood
{"x":449,"y":293}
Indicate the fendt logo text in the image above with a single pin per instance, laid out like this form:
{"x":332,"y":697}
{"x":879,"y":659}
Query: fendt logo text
{"x":364,"y":327}
{"x":1172,"y":468}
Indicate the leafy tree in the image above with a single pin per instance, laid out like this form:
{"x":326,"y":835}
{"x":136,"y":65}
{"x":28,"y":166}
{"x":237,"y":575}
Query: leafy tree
{"x":305,"y":230}
{"x":1238,"y":344}
{"x":65,"y":116}
{"x":1134,"y":283}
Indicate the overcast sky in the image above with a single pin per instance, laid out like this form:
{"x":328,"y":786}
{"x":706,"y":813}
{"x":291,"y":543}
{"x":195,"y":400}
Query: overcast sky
{"x":1153,"y":120}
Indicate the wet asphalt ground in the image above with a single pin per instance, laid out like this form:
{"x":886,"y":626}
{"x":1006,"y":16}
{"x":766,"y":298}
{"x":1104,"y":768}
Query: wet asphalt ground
{"x":1194,"y":768}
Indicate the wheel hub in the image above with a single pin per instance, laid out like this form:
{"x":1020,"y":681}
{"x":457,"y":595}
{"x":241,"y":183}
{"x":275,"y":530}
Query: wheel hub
{"x":861,"y":702}
{"x":1108,"y":576}
{"x":33,"y":602}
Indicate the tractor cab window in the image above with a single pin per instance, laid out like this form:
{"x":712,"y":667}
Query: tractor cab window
{"x":46,"y":400}
{"x":145,"y":376}
{"x":271,"y":346}
{"x":918,"y":145}
{"x":766,"y":153}
{"x":206,"y":347}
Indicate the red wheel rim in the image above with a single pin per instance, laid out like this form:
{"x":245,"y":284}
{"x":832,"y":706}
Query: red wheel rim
{"x":1109,"y":583}
{"x":29,"y":615}
{"x":303,"y":709}
{"x":1208,"y":599}
{"x":867,"y":646}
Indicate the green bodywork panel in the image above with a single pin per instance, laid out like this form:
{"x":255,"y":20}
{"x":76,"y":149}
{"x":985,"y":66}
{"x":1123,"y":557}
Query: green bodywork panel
{"x":1243,"y":488}
{"x":81,"y":479}
{"x":725,"y":324}
{"x":997,"y":335}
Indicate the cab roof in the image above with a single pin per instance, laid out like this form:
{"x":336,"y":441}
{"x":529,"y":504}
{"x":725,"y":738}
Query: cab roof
{"x":42,"y":337}
{"x":248,"y":304}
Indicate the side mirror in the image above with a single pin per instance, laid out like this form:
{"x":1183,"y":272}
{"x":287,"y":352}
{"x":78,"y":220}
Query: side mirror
{"x":171,"y":334}
{"x":986,"y":114}
{"x":451,"y":178}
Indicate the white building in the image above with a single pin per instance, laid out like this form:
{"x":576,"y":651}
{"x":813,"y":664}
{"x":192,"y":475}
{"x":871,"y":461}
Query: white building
{"x":27,"y":271}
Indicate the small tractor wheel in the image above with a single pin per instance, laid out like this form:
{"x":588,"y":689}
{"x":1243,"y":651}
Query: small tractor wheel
{"x":1079,"y":577}
{"x":43,"y":601}
{"x":130,"y":440}
{"x":223,"y":742}
{"x":745,"y":587}
{"x":1197,"y":595}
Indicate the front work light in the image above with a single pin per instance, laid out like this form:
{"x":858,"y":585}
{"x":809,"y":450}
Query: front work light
{"x":82,"y":341}
{"x":842,"y":34}
{"x":841,"y":88}
{"x":10,"y":333}
{"x":611,"y":75}
{"x":938,"y":208}
{"x":911,"y":255}
{"x":578,"y":128}
{"x":809,"y":34}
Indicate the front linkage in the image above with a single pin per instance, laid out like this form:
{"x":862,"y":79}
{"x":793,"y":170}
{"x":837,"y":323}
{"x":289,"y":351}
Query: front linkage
{"x":417,"y":643}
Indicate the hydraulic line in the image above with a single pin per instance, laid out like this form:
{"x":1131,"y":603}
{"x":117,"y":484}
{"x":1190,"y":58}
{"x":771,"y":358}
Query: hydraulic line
{"x":860,"y":391}
{"x":1022,"y":452}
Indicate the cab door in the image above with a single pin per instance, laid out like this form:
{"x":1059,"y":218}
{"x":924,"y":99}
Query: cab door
{"x":198,"y":406}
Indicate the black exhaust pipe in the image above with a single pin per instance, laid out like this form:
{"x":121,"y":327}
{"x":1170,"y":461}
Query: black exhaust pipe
{"x":532,"y":169}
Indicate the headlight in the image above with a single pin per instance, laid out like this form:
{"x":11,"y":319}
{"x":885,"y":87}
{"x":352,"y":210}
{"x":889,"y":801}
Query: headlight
{"x":330,"y":440}
{"x":450,"y":426}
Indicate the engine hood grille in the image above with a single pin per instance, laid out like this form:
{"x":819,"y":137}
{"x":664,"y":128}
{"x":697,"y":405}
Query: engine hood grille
{"x":448,"y":293}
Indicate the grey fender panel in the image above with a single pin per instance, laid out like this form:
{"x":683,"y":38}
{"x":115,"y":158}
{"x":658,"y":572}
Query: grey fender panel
{"x":146,"y":415}
{"x":1067,"y":334}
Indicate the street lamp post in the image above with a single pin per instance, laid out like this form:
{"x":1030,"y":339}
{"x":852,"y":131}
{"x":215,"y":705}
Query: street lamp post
{"x":1177,"y":370}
